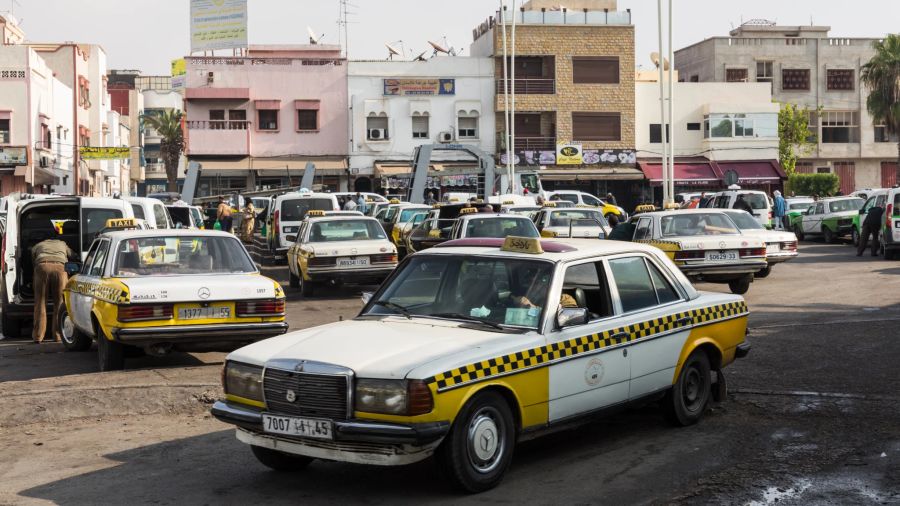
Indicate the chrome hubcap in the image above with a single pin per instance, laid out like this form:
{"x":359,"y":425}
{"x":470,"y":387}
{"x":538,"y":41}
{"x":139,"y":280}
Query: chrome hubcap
{"x":485,"y":440}
{"x":68,"y":328}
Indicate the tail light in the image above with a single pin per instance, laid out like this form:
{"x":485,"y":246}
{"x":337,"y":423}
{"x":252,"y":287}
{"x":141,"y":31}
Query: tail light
{"x":276,"y":222}
{"x":390,"y":258}
{"x":888,"y":215}
{"x":419,"y":399}
{"x":259,"y":307}
{"x":690,"y":255}
{"x":137,"y":312}
{"x":753,"y":252}
{"x":322,"y":261}
{"x":789,"y":245}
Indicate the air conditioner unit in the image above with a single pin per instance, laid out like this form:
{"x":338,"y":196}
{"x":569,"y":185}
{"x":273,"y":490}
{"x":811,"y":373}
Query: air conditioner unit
{"x":445,"y":137}
{"x":210,"y":77}
{"x":44,"y":162}
{"x":376,"y":133}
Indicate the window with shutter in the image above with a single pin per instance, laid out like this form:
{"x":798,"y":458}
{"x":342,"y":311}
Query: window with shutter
{"x":736,"y":75}
{"x":795,"y":79}
{"x":596,"y":126}
{"x":595,"y":70}
{"x":840,"y":79}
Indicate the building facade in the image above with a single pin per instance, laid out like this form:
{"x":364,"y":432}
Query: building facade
{"x":254,"y":121}
{"x":158,"y":96}
{"x":396,"y":106}
{"x":127,"y":100}
{"x":574,"y":89}
{"x":804,"y":65}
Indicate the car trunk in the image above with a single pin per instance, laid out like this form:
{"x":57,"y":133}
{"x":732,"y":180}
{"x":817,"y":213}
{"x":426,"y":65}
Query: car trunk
{"x":36,"y":223}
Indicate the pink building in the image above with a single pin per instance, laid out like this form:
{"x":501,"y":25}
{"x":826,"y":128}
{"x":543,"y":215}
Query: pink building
{"x":254,"y":121}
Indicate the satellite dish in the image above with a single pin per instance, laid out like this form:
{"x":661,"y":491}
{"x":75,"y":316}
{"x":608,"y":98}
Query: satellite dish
{"x":391,"y":51}
{"x":665,"y":64}
{"x":313,"y":38}
{"x":439,"y":48}
{"x":421,"y":56}
{"x":654,"y":57}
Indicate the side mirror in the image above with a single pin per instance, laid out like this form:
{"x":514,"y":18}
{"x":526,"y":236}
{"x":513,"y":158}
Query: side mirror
{"x":862,"y":211}
{"x":291,"y":238}
{"x":571,"y":316}
{"x":72,"y":268}
{"x":366,"y":297}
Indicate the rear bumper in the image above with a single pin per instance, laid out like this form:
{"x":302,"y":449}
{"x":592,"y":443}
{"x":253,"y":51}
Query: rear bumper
{"x":777,"y":258}
{"x":352,"y":276}
{"x":200,"y":334}
{"x":749,"y":267}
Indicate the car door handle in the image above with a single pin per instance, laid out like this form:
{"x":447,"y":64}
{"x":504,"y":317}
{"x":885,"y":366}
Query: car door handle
{"x":687,"y":320}
{"x":620,"y":335}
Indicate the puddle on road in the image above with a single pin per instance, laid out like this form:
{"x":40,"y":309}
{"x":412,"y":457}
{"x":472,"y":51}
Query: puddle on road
{"x":830,"y":489}
{"x":774,"y":495}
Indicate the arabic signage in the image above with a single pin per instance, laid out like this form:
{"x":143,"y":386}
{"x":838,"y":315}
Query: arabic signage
{"x":218,"y":24}
{"x":568,"y":154}
{"x":104,"y":153}
{"x":400,"y":87}
{"x":589,"y":157}
{"x":13,"y":155}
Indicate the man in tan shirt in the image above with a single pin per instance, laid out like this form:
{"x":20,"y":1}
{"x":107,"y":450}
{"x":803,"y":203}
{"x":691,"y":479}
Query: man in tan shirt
{"x":223,"y":214}
{"x":49,"y":257}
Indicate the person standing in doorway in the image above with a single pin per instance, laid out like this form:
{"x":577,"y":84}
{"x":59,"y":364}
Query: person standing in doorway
{"x":870,"y":226}
{"x":49,"y":257}
{"x":778,"y":211}
{"x":223,"y":214}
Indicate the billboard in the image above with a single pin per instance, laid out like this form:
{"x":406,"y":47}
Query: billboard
{"x":568,"y":154}
{"x":218,"y":24}
{"x":398,"y":87}
{"x":13,"y":155}
{"x":104,"y":153}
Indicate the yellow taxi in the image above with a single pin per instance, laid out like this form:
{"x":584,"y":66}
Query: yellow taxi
{"x":165,"y":290}
{"x":475,"y":344}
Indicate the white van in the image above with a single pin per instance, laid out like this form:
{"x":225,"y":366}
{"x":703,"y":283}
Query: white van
{"x":152,"y":211}
{"x":288,"y":211}
{"x":758,"y":200}
{"x":31,"y":221}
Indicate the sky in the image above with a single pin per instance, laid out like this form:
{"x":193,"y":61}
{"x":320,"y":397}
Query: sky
{"x":138,"y":34}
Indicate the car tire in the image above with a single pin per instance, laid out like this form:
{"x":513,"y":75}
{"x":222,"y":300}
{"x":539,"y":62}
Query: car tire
{"x":798,"y":231}
{"x":828,"y":235}
{"x":280,"y":461}
{"x":72,"y":338}
{"x":12,"y":327}
{"x":764,"y":273}
{"x":478,"y":450}
{"x":306,"y":287}
{"x":111,"y":354}
{"x":888,"y":254}
{"x":685,"y":403}
{"x":854,"y":236}
{"x":740,"y":286}
{"x":294,"y":281}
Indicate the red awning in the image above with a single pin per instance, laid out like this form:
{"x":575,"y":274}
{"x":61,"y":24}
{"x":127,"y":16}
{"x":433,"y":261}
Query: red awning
{"x":697,"y":173}
{"x":754,"y":172}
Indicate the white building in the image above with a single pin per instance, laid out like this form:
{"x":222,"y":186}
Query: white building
{"x":717,"y":127}
{"x":158,"y":96}
{"x":396,"y":106}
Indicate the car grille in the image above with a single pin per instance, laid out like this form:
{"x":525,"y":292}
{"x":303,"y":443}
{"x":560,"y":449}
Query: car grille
{"x":317,"y":395}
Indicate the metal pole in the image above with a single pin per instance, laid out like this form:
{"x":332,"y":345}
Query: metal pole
{"x":512,"y":113}
{"x":671,"y":111}
{"x":662,"y":110}
{"x":506,"y":88}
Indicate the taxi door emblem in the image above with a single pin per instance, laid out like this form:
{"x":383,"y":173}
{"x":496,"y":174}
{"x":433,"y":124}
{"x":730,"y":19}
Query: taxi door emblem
{"x":290,"y":396}
{"x":203,"y":293}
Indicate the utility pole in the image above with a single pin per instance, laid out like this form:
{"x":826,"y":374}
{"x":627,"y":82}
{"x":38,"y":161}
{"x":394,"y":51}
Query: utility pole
{"x":512,"y":116}
{"x":671,"y":113}
{"x":507,"y":86}
{"x":662,"y":108}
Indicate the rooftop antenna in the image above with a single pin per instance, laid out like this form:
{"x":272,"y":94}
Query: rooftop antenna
{"x":313,"y":38}
{"x":451,"y":49}
{"x":391,"y":51}
{"x":344,"y":24}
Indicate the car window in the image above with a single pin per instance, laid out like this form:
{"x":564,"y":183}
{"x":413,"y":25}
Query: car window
{"x":756,"y":200}
{"x":636,"y":290}
{"x":820,"y":208}
{"x":138,"y":211}
{"x":86,"y":267}
{"x":99,"y":259}
{"x":591,"y":200}
{"x":897,"y":204}
{"x":696,"y":224}
{"x":744,"y":220}
{"x":568,"y":197}
{"x":295,"y":209}
{"x":162,"y":218}
{"x":181,"y":255}
{"x":407,"y":214}
{"x":721,"y":202}
{"x":345,"y":230}
{"x":665,"y":293}
{"x":579,"y":217}
{"x":181,"y":216}
{"x":838,"y":206}
{"x":799,"y":206}
{"x":868,"y":205}
{"x":584,"y":286}
{"x":500,"y":227}
{"x":879,"y":200}
{"x":643,"y":230}
{"x":93,"y":221}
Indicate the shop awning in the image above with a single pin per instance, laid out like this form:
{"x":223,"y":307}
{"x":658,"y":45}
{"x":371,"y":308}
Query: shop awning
{"x":42,"y":175}
{"x":272,"y":166}
{"x":593,"y":174}
{"x":388,"y":169}
{"x":755,"y":171}
{"x":688,"y":173}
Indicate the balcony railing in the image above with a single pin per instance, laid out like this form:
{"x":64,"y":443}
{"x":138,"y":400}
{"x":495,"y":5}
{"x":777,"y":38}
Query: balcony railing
{"x":218,"y":125}
{"x":535,"y":143}
{"x":156,"y":168}
{"x":542,"y":86}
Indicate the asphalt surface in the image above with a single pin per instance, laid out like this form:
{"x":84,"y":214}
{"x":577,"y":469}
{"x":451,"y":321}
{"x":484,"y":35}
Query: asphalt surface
{"x":812,"y":417}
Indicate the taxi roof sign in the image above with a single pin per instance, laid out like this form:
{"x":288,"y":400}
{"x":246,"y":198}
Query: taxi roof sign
{"x":395,"y":201}
{"x":121,"y":223}
{"x":516,"y":244}
{"x":468,"y":210}
{"x":509,"y":202}
{"x":549,"y":204}
{"x":315,"y":212}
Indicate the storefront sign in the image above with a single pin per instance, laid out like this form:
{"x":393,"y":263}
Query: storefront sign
{"x":568,"y":154}
{"x":218,"y":24}
{"x":589,"y":157}
{"x":104,"y":153}
{"x":13,"y":155}
{"x":399,"y":87}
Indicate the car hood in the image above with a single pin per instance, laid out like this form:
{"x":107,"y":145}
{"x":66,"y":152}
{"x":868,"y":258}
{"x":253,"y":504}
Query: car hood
{"x":201,"y":288}
{"x":387,"y":348}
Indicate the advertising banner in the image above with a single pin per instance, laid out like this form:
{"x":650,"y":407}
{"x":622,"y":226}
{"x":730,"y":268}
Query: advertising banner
{"x":568,"y":154}
{"x":104,"y":153}
{"x":13,"y":155}
{"x":218,"y":24}
{"x":400,"y":87}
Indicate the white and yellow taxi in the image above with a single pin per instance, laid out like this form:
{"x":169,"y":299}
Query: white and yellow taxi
{"x":475,"y":344}
{"x":164,"y":290}
{"x":705,"y":244}
{"x":473,"y":223}
{"x":339,"y":248}
{"x":571,"y":222}
{"x":781,"y":246}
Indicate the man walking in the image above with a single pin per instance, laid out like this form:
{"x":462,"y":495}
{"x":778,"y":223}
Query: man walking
{"x":870,"y":226}
{"x":49,"y":258}
{"x":778,"y":211}
{"x":223,"y":214}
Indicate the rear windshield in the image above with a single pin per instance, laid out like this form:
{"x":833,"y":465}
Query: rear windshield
{"x":562,"y":218}
{"x":756,"y":200}
{"x":181,"y":216}
{"x":696,"y":224}
{"x":744,"y":221}
{"x":801,"y":206}
{"x":92,"y":222}
{"x":500,"y":227}
{"x":346,"y":230}
{"x":295,"y":209}
{"x":407,"y":214}
{"x":168,"y":256}
{"x":838,"y":206}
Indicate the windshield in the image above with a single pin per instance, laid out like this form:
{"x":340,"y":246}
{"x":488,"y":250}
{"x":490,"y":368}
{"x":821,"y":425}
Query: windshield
{"x":345,"y":230}
{"x":744,"y":221}
{"x":800,"y":206}
{"x":562,"y":218}
{"x":408,"y":214}
{"x":500,"y":227}
{"x":697,"y":224}
{"x":503,"y":291}
{"x":168,"y":256}
{"x":295,"y":209}
{"x":838,"y":206}
{"x":390,"y":213}
{"x":756,"y":200}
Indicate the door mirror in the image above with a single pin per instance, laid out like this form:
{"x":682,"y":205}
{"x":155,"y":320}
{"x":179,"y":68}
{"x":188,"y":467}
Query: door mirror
{"x":862,"y":211}
{"x":571,"y":316}
{"x":291,"y":238}
{"x":366,"y":297}
{"x":72,"y":268}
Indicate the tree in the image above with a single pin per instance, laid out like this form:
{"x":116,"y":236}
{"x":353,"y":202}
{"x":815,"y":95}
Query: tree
{"x":794,"y":137}
{"x":168,"y":125}
{"x":821,"y":185}
{"x":881,"y":75}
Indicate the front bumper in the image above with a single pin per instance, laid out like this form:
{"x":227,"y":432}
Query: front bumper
{"x":418,"y":434}
{"x":748,"y":267}
{"x":199,"y":334}
{"x":742,"y":350}
{"x":352,"y":275}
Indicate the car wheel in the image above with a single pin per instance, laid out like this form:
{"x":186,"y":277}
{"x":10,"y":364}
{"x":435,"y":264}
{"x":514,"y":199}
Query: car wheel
{"x":478,"y":450}
{"x":685,"y":403}
{"x":764,"y":273}
{"x":110,"y":353}
{"x":280,"y":461}
{"x":12,"y":327}
{"x":306,"y":287}
{"x":294,"y":281}
{"x":854,"y":235}
{"x":72,"y":338}
{"x":798,"y":231}
{"x":740,"y":286}
{"x":828,"y":235}
{"x":888,"y":254}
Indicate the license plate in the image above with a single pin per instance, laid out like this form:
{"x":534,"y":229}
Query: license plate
{"x":773,"y":248}
{"x":721,"y":256}
{"x":293,"y":426}
{"x":211,"y":312}
{"x":353,"y":262}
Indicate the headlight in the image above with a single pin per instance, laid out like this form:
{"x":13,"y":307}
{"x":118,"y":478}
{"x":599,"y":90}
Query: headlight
{"x":393,"y":397}
{"x":243,"y":380}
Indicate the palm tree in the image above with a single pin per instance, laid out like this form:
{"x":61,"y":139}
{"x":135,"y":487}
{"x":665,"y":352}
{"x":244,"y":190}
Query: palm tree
{"x":882,"y":76}
{"x":168,"y":125}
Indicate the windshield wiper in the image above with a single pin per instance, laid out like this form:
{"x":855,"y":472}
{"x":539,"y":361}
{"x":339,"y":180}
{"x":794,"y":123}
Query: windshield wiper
{"x":460,"y":316}
{"x":396,"y":307}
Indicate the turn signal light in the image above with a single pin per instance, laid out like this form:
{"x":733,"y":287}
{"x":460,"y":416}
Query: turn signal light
{"x":384,"y":259}
{"x":753,"y":252}
{"x":136,"y":312}
{"x":419,"y":398}
{"x":259,"y":307}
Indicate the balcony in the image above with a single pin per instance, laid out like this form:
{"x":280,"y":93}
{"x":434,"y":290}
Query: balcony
{"x":220,"y":137}
{"x":534,"y":143}
{"x":156,"y":168}
{"x":534,"y":75}
{"x":529,"y":86}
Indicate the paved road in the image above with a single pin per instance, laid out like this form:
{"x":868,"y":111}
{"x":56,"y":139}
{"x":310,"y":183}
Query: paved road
{"x":813,"y":418}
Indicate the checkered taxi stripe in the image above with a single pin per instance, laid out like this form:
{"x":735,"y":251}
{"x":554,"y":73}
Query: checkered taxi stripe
{"x":528,"y":359}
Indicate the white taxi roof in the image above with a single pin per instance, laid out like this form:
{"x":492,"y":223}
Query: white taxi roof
{"x":492,"y":214}
{"x":669,"y":212}
{"x":340,"y":217}
{"x":117,"y":235}
{"x":577,"y":248}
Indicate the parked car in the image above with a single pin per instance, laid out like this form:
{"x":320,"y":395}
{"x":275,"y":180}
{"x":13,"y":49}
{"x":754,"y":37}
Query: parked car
{"x":876,"y":198}
{"x":890,"y":234}
{"x":758,"y":200}
{"x":830,"y":217}
{"x":582,"y":198}
{"x":153,"y":211}
{"x":780,"y":246}
{"x":288,"y":212}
